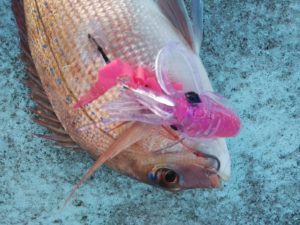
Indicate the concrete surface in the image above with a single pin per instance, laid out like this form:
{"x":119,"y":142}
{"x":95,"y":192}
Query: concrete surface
{"x":251,"y":51}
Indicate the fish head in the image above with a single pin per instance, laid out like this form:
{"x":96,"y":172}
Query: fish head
{"x":175,"y":176}
{"x":178,"y":170}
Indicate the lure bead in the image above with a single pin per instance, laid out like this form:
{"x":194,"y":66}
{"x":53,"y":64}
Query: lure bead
{"x":192,"y":97}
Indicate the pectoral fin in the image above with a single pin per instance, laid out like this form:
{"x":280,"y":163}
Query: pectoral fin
{"x":136,"y":132}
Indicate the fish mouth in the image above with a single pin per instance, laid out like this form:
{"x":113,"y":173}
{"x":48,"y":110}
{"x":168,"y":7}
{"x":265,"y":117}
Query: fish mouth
{"x":217,"y":149}
{"x":206,"y":171}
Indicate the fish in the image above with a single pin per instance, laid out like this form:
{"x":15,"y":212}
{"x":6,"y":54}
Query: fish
{"x":64,"y":46}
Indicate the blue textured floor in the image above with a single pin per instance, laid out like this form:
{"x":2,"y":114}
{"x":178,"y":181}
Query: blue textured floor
{"x":251,"y":51}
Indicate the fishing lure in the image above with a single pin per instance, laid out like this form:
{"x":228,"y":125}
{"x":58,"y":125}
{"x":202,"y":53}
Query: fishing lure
{"x":157,"y":97}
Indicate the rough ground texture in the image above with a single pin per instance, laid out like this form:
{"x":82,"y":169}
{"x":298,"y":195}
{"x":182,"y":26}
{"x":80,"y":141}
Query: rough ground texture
{"x":251,"y":51}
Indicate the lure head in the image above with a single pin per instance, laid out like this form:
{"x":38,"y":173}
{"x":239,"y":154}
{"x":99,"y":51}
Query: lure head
{"x":198,"y":112}
{"x":204,"y":116}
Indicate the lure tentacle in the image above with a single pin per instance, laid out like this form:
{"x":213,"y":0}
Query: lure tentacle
{"x":140,"y":104}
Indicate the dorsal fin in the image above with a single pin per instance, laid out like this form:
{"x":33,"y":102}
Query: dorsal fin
{"x":18,"y":10}
{"x":44,"y":113}
{"x":190,"y":27}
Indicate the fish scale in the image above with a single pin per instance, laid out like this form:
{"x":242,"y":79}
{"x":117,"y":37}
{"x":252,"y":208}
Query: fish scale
{"x":68,"y":62}
{"x":130,"y":41}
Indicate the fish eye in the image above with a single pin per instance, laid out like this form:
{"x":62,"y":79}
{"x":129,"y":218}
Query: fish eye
{"x":174,"y":127}
{"x":192,"y":97}
{"x":165,"y":178}
{"x":170,"y":176}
